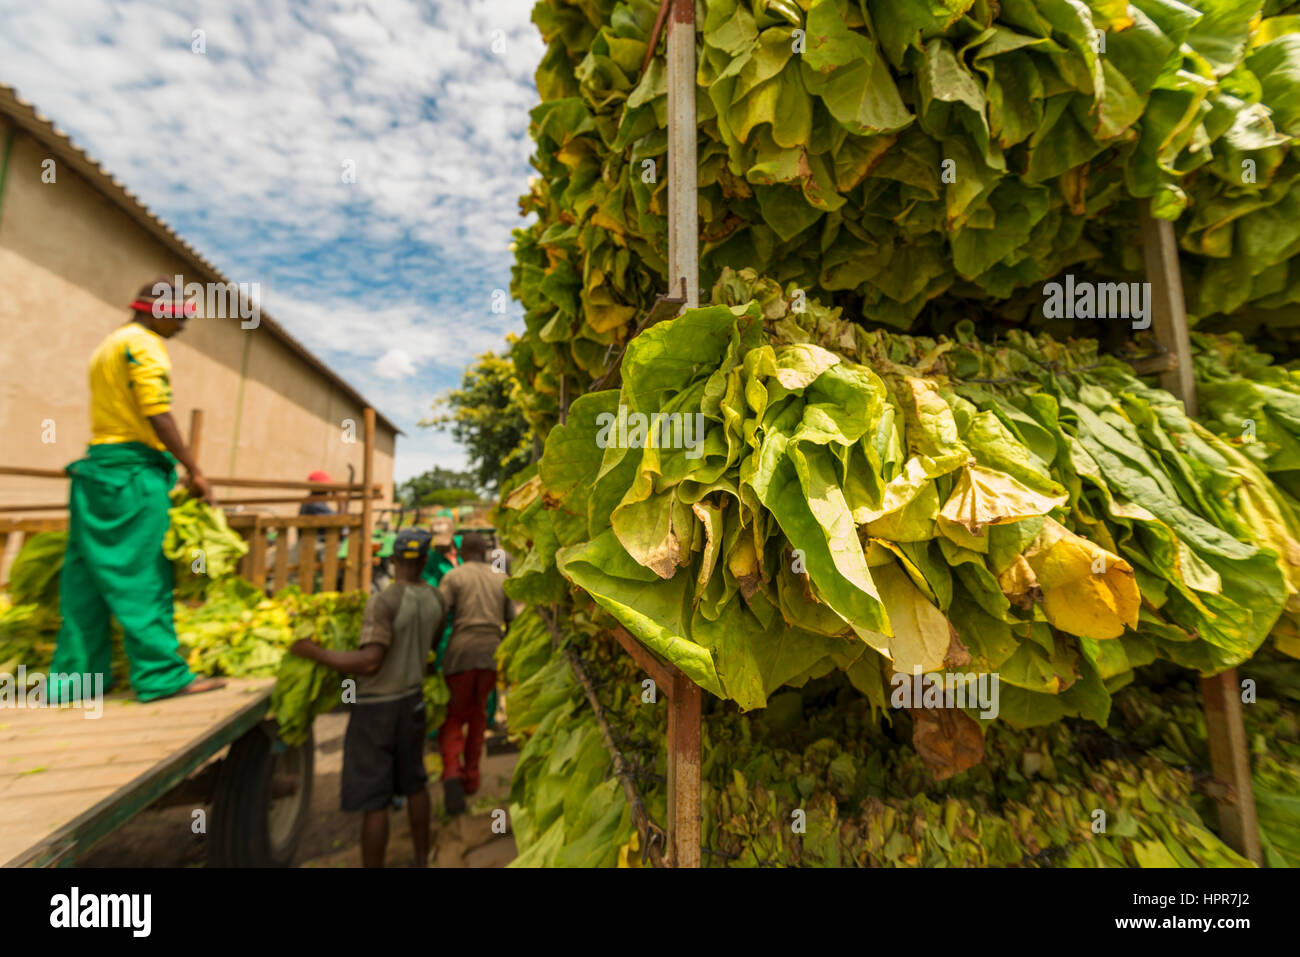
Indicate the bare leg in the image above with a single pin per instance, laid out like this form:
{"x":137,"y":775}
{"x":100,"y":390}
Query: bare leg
{"x":374,"y":838}
{"x":417,"y":809}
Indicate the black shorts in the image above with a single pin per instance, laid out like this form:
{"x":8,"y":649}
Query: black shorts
{"x":383,"y":752}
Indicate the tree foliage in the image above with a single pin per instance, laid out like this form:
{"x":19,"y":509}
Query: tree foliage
{"x":485,"y":417}
{"x":440,"y":486}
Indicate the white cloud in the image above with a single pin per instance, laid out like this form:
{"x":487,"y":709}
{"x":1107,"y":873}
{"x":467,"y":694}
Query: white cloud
{"x":389,"y":278}
{"x":394,"y":364}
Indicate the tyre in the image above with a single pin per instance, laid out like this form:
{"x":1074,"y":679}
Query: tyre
{"x":262,"y":799}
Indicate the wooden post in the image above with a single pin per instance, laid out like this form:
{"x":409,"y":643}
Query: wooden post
{"x":1230,"y":762}
{"x":257,"y":554}
{"x":683,"y":167}
{"x":281,"y":557}
{"x":329,"y":568}
{"x":1221,"y":694}
{"x":684,"y":817}
{"x":683,"y":281}
{"x":307,"y":560}
{"x":1168,"y":311}
{"x":196,"y":432}
{"x":367,"y":503}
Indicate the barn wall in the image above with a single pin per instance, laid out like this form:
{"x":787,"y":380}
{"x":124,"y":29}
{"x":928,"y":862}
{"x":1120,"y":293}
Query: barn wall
{"x":70,"y":260}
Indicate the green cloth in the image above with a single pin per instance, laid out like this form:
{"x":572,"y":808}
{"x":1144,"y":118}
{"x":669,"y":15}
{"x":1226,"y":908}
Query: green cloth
{"x":114,"y":566}
{"x":437,"y":566}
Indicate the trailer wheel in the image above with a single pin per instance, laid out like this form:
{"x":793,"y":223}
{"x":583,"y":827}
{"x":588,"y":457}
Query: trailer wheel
{"x":262,"y":799}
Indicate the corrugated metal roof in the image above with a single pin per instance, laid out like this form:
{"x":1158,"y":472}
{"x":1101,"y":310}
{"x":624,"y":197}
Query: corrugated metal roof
{"x":28,"y":119}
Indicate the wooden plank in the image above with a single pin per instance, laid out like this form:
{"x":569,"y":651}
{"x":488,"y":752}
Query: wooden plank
{"x":285,"y":483}
{"x":34,"y":525}
{"x":69,"y":806}
{"x":330,"y":563}
{"x":60,"y":506}
{"x":272,"y":500}
{"x":1221,"y":695}
{"x":307,"y":562}
{"x":249,"y":519}
{"x":32,"y":473}
{"x":281,"y":557}
{"x":96,"y":745}
{"x":362,"y":550}
{"x":684,"y":772}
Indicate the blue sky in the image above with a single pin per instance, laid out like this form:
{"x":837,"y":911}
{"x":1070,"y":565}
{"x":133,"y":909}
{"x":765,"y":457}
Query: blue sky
{"x":390,"y":278}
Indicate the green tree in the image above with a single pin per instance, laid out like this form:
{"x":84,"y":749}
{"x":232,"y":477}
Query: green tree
{"x":440,"y":486}
{"x":485,"y":417}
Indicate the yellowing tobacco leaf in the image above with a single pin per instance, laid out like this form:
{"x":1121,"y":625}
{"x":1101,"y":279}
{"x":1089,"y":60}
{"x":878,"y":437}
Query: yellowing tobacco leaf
{"x":1019,"y":583}
{"x":983,"y":497}
{"x":922,"y":634}
{"x":1087,"y":591}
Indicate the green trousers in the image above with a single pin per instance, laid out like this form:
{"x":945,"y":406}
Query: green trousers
{"x":114,"y":566}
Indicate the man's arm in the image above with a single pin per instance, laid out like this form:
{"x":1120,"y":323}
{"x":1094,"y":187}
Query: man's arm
{"x":447,"y":592}
{"x":170,"y":436}
{"x":365,"y":661}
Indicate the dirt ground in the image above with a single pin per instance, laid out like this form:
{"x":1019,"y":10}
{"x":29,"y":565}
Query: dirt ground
{"x":164,"y":838}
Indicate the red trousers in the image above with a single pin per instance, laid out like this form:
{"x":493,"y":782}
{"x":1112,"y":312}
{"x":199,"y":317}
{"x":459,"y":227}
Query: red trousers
{"x":468,"y":706}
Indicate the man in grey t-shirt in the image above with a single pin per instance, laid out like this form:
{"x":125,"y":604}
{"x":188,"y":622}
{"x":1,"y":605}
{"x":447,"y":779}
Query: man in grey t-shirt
{"x":474,"y":596}
{"x":383,"y":750}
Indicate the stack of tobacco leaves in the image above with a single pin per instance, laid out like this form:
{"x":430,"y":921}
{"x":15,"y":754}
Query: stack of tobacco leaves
{"x":815,"y":779}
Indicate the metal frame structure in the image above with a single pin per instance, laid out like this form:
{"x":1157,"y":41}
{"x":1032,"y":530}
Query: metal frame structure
{"x":1229,"y":752}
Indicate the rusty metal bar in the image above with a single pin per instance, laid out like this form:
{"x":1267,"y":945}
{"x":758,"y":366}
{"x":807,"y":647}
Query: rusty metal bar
{"x":648,"y":661}
{"x":684,"y":771}
{"x":1221,"y":698}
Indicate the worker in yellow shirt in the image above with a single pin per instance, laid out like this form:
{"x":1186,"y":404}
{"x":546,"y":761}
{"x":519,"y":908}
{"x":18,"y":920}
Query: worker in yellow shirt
{"x":117,"y":511}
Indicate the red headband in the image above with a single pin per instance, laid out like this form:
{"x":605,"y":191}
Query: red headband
{"x":185,"y":310}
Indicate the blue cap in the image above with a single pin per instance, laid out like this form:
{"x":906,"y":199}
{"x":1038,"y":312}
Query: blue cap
{"x":412,"y":543}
